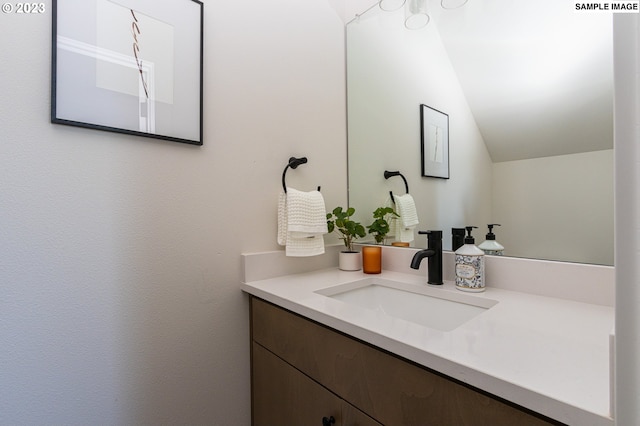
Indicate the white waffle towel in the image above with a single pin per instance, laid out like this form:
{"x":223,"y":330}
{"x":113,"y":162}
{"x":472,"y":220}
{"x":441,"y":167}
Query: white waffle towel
{"x":391,"y":219}
{"x":302,"y":222}
{"x":404,"y":226}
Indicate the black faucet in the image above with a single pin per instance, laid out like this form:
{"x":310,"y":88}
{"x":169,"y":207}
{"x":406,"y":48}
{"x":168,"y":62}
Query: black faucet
{"x":434,"y":253}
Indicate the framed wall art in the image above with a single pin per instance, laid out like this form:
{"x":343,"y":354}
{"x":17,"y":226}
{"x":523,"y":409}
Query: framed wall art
{"x":129,"y":66}
{"x":434,"y":131}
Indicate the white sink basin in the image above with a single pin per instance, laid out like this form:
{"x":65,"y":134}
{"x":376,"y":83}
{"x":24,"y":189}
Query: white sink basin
{"x":431,"y":307}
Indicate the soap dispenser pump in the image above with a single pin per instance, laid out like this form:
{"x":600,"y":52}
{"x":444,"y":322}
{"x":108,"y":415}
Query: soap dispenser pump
{"x":470,"y":265}
{"x":490,"y":245}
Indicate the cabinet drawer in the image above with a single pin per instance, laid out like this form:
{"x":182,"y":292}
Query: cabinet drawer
{"x":283,"y":395}
{"x":388,"y":388}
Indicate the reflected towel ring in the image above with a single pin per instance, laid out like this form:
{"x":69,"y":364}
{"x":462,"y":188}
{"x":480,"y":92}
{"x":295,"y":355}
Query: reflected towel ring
{"x":293,"y":163}
{"x":388,"y":174}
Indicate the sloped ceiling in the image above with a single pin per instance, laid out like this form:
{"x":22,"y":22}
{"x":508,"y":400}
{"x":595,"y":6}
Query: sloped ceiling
{"x":537,"y":75}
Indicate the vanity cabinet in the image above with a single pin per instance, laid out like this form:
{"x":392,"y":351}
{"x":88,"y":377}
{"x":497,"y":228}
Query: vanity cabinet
{"x":303,"y":372}
{"x":282,"y":395}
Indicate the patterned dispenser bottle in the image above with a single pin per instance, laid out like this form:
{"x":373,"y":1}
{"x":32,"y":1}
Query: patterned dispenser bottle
{"x":470,"y":265}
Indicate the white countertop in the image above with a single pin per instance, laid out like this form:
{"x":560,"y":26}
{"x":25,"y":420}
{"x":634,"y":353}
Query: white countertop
{"x":546,"y":354}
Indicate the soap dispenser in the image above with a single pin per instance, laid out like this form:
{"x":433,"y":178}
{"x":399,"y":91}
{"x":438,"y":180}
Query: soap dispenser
{"x":470,"y":265}
{"x":490,"y":245}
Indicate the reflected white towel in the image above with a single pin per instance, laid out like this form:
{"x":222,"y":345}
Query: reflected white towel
{"x":301,"y":222}
{"x":404,"y":225}
{"x":391,"y":219}
{"x":406,"y":208}
{"x":405,"y":235}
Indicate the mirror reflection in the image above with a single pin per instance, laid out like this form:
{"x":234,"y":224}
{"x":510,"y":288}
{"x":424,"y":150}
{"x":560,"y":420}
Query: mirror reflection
{"x":528,"y":91}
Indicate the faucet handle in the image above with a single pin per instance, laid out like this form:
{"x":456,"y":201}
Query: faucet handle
{"x":431,"y":233}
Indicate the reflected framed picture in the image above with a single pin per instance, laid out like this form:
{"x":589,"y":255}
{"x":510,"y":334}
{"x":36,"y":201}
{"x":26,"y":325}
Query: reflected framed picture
{"x":129,"y":66}
{"x":434,"y":137}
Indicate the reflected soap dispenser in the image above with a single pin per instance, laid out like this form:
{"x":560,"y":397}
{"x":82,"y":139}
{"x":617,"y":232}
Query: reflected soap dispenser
{"x":490,"y":245}
{"x":470,"y":265}
{"x":457,"y":238}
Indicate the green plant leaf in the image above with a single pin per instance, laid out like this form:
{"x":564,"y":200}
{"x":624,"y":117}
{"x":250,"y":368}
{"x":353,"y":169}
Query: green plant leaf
{"x":340,"y":220}
{"x":379,"y":228}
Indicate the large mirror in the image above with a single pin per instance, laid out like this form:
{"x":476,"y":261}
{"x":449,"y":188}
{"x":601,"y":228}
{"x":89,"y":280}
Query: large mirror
{"x":528,"y":90}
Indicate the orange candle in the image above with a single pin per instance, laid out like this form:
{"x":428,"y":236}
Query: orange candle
{"x":399,"y":244}
{"x":372,"y":259}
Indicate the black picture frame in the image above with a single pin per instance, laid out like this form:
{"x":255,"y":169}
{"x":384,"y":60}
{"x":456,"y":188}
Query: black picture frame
{"x":129,"y":66}
{"x":434,"y":142}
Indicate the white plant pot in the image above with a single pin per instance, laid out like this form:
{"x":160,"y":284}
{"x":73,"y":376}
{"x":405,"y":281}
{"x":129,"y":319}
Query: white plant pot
{"x":350,"y":260}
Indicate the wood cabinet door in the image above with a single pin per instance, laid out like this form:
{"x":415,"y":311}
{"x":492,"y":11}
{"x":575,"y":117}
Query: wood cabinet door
{"x":282,"y":395}
{"x":351,"y":416}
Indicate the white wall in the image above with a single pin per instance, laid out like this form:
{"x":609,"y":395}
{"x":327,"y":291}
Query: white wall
{"x":410,"y":68}
{"x":627,"y":219}
{"x":526,"y":194}
{"x":120,"y":255}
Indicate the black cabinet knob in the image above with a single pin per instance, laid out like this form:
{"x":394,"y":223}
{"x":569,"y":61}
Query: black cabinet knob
{"x":328,"y":421}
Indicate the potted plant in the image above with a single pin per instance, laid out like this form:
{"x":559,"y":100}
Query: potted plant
{"x":340,"y":220}
{"x":379,"y":228}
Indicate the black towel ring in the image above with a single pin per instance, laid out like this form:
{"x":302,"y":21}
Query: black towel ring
{"x":388,"y":174}
{"x":293,"y":163}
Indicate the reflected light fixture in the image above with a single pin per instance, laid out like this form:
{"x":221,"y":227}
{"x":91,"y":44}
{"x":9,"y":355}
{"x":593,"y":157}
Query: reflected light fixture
{"x":416,"y":15}
{"x":390,"y":5}
{"x":452,"y":4}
